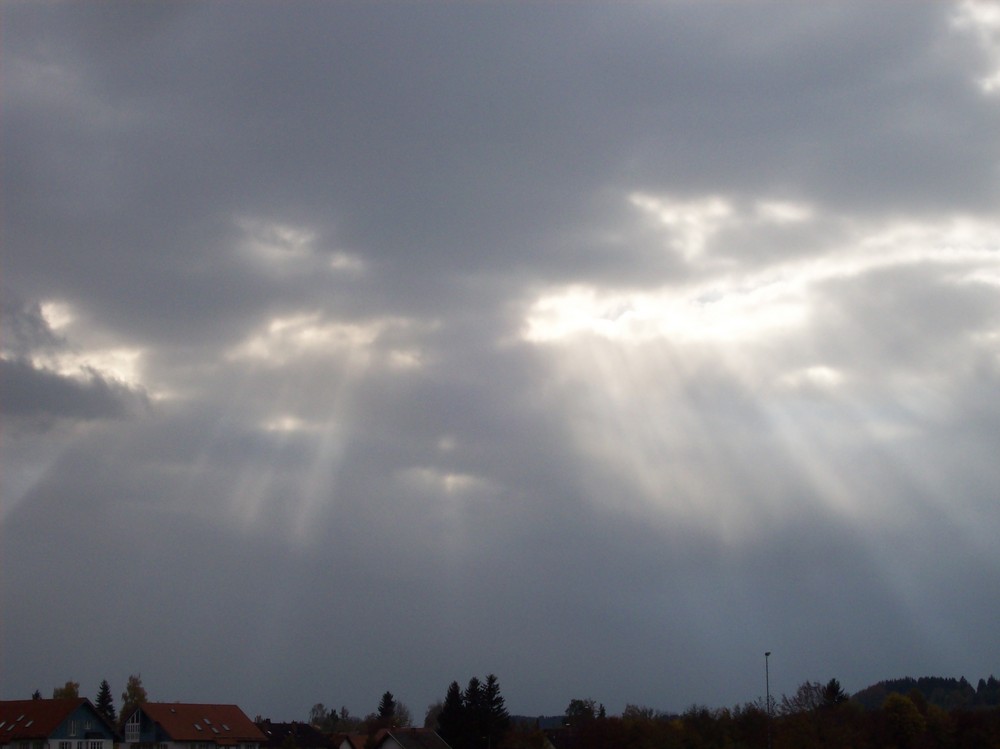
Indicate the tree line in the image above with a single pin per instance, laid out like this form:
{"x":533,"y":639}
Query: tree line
{"x":925,"y":713}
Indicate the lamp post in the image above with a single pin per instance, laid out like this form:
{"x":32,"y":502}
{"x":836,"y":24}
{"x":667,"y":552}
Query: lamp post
{"x":767,"y":687}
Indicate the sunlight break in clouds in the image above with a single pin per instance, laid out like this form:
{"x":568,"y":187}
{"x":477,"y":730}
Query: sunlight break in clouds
{"x":734,"y":306}
{"x":88,"y":351}
{"x":282,"y":340}
{"x":635,"y":353}
{"x":982,"y":20}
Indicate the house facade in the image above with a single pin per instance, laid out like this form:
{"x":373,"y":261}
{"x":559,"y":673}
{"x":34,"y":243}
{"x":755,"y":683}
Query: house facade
{"x":176,"y":725}
{"x":54,"y":724}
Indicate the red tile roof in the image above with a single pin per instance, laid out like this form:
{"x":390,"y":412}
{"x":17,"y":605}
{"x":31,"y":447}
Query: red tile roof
{"x":34,"y":719}
{"x":219,"y":724}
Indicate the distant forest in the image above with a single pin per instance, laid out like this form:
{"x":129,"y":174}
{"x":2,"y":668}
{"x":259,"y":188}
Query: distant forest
{"x":947,"y":694}
{"x":907,"y":713}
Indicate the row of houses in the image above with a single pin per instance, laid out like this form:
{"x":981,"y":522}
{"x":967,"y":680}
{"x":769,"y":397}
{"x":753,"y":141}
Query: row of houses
{"x":76,"y":724}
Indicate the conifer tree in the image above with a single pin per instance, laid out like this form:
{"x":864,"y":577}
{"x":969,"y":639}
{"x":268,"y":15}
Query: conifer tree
{"x":451,"y":719}
{"x":105,"y":703}
{"x":387,"y":707}
{"x":496,"y":718}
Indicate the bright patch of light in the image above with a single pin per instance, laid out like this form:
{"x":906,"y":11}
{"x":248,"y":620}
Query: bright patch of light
{"x":701,"y":314}
{"x":817,"y":377}
{"x":282,"y":340}
{"x":982,"y":20}
{"x":733,"y":306}
{"x":119,"y":364}
{"x":90,"y":352}
{"x":682,"y":392}
{"x":285,"y":338}
{"x":405,"y":359}
{"x":287,"y":424}
{"x":57,"y":315}
{"x":783,"y":212}
{"x":691,"y":223}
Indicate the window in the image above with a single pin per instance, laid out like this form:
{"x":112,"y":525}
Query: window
{"x":95,"y":745}
{"x":132,"y":728}
{"x":65,"y":745}
{"x":72,"y":728}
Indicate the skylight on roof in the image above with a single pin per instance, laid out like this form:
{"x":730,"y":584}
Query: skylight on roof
{"x":207,"y":721}
{"x":197,"y":727}
{"x":226,"y":728}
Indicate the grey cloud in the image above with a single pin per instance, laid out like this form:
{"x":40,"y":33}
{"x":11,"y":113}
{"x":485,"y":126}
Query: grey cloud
{"x":24,"y":329}
{"x":38,"y":395}
{"x":355,"y":476}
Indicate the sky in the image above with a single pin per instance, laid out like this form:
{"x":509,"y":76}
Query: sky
{"x":354,"y":347}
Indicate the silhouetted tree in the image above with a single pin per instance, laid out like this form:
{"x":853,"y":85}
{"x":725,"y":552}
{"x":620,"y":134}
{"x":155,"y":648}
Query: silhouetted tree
{"x":580,"y":711}
{"x":70,"y":690}
{"x":432,"y":713}
{"x":833,"y":694}
{"x":322,"y":719}
{"x":387,"y":707}
{"x":390,"y":714}
{"x":496,"y":719}
{"x":105,"y":703}
{"x":477,"y":717}
{"x":451,"y":722}
{"x":133,"y":696}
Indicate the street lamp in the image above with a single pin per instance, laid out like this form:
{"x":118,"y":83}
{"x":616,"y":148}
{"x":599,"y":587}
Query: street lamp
{"x":767,"y":687}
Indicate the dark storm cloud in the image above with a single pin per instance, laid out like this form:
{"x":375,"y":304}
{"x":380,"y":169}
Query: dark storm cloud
{"x":602,"y":347}
{"x":38,"y":394}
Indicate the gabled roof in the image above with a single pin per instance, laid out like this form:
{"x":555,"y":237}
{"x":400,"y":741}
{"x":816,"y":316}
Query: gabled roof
{"x":355,"y":740}
{"x":304,"y":735}
{"x":221,"y":724}
{"x":414,"y":738}
{"x":34,"y":719}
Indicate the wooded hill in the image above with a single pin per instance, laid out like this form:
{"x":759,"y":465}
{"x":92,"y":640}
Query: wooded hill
{"x":946,"y":693}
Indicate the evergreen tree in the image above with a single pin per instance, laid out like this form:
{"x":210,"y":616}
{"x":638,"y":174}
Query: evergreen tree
{"x":387,"y":707}
{"x":105,"y":703}
{"x":475,"y":713}
{"x":833,"y":694}
{"x":496,"y":717}
{"x":451,"y":719}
